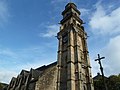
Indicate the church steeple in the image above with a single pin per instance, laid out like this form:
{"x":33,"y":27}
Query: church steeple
{"x":71,"y":16}
{"x":71,"y":11}
{"x":73,"y":60}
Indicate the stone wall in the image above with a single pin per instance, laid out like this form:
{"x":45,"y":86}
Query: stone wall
{"x":47,"y":81}
{"x":42,"y":78}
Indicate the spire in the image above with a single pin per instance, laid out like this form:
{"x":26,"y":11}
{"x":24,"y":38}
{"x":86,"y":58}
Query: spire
{"x":71,"y":11}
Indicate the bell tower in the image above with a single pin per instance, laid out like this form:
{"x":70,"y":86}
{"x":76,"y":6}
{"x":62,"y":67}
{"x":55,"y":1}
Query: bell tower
{"x":74,"y":70}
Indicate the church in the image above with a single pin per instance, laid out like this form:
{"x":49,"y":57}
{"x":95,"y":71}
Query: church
{"x":72,"y":71}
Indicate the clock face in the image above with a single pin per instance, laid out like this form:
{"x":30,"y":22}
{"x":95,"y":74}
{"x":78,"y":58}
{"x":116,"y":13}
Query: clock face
{"x":65,"y":39}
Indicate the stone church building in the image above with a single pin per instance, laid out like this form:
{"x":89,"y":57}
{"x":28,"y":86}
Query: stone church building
{"x":72,"y":71}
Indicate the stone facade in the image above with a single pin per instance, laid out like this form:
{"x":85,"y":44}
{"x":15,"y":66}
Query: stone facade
{"x":72,"y":71}
{"x":48,"y":80}
{"x":43,"y":78}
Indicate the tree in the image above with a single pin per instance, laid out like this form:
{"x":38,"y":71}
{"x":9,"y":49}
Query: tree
{"x":1,"y":87}
{"x":113,"y":82}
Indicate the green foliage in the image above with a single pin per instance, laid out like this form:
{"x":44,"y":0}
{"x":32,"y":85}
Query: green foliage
{"x":1,"y":86}
{"x":112,"y":82}
{"x":98,"y":84}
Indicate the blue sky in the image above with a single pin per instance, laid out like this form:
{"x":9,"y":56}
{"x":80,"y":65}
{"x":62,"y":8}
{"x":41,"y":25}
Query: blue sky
{"x":28,"y":29}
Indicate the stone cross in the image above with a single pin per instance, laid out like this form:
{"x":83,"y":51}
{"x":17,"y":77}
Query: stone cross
{"x":101,"y":68}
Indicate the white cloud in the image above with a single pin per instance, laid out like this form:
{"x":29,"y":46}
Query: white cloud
{"x":105,"y":23}
{"x":84,"y":11}
{"x":6,"y":75}
{"x":95,"y":66}
{"x":4,"y":13}
{"x":111,"y":63}
{"x":52,"y":30}
{"x":8,"y":52}
{"x":13,"y":61}
{"x":112,"y":54}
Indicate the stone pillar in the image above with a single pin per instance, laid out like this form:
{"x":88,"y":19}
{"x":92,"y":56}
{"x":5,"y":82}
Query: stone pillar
{"x":89,"y":81}
{"x":70,"y":62}
{"x":78,"y":62}
{"x":59,"y":63}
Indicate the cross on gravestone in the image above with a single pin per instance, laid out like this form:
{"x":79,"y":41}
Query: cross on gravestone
{"x":101,"y":68}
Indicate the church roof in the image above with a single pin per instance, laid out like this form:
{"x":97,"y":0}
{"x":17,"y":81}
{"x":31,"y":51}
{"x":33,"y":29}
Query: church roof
{"x":24,"y":71}
{"x":46,"y":66}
